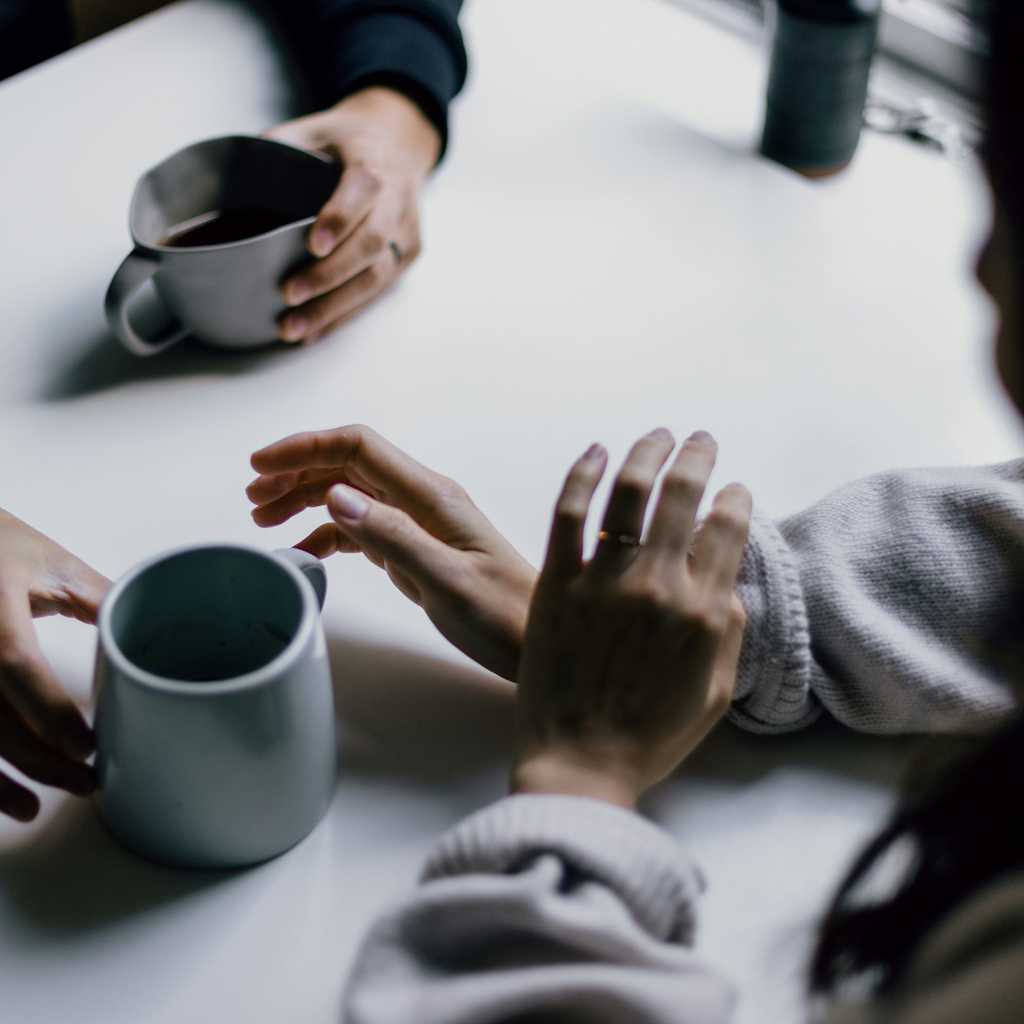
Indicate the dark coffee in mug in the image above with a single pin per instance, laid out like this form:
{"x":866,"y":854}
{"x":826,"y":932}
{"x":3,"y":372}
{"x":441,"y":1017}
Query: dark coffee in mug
{"x":216,"y":228}
{"x":220,"y":227}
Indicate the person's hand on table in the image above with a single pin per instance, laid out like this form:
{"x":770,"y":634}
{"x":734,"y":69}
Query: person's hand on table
{"x":438,"y":548}
{"x":42,"y":732}
{"x":368,"y":232}
{"x":630,"y":659}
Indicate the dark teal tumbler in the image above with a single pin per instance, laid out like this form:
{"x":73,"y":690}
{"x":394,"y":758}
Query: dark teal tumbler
{"x":821,"y":53}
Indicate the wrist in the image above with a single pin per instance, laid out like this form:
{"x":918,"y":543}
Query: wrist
{"x":571,"y":773}
{"x":402,"y":118}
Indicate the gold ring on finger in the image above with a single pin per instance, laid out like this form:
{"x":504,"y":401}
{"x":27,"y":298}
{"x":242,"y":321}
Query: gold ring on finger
{"x":625,"y":540}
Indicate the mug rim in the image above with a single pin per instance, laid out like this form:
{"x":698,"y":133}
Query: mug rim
{"x":108,"y":646}
{"x":156,"y":247}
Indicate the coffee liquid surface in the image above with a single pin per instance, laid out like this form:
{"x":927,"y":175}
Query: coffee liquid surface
{"x":219,"y":227}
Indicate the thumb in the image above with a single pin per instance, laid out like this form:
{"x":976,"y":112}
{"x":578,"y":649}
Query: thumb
{"x":389,"y":534}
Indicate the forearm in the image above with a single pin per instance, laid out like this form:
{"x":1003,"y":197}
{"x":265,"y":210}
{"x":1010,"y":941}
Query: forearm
{"x":343,"y":46}
{"x":886,"y":605}
{"x":543,"y":905}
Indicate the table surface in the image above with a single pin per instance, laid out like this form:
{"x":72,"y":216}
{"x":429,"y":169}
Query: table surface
{"x":604,"y":253}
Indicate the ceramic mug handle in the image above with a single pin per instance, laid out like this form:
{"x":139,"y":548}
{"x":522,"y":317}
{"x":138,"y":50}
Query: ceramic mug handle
{"x":135,"y":270}
{"x":310,"y":566}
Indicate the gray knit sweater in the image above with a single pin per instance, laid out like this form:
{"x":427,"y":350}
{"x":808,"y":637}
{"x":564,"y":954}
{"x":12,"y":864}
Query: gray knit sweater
{"x":889,"y":605}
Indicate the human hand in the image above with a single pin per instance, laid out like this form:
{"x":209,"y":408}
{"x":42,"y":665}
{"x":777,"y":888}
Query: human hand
{"x":438,"y":548}
{"x":630,"y":659}
{"x":42,"y":732}
{"x":368,"y":232}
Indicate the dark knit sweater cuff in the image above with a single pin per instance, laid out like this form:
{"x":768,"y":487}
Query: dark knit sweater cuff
{"x":402,"y":52}
{"x":642,"y":865}
{"x":773,"y":692}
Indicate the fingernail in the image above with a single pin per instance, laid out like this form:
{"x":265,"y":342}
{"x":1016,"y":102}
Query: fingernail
{"x":595,"y":451}
{"x":322,"y":241}
{"x":293,"y":328}
{"x":348,"y":503}
{"x":701,"y":436}
{"x":297,"y":292}
{"x":662,"y":434}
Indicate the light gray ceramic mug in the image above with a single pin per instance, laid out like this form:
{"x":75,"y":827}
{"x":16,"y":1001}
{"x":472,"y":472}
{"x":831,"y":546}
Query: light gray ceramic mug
{"x":226,"y":294}
{"x":214,"y":709}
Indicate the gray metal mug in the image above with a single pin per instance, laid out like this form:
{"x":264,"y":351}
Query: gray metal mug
{"x":214,"y":709}
{"x":226,"y":294}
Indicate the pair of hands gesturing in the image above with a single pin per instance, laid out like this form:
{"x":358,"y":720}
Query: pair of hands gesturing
{"x":624,"y":663}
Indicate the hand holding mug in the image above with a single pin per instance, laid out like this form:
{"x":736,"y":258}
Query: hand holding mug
{"x":367,"y":233}
{"x":630,"y":659}
{"x":42,"y":732}
{"x":422,"y":528}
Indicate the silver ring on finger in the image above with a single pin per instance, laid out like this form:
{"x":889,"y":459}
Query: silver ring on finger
{"x":396,"y":251}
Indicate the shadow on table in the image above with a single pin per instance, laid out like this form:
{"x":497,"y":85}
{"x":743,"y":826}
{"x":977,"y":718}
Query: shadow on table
{"x":735,"y":756}
{"x":421,"y":719}
{"x":69,"y":876}
{"x":99,"y":363}
{"x":429,"y":720}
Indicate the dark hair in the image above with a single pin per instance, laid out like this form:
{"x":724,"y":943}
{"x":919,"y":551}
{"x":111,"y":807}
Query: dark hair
{"x":963,"y":833}
{"x":960,"y":836}
{"x":1004,"y":151}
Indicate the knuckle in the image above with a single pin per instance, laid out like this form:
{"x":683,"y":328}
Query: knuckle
{"x":450,"y":491}
{"x":373,"y":243}
{"x":728,"y":520}
{"x":632,"y":484}
{"x":570,"y":511}
{"x":719,"y":700}
{"x":707,"y":619}
{"x":358,"y":432}
{"x":370,"y":180}
{"x":651,"y":594}
{"x":737,"y":614}
{"x":684,"y":482}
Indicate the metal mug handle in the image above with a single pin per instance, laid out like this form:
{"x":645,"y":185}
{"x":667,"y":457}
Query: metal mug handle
{"x":310,"y":566}
{"x":135,"y":270}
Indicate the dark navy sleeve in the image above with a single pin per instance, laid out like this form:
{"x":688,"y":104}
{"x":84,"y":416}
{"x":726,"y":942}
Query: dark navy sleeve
{"x":32,"y":31}
{"x":414,"y":46}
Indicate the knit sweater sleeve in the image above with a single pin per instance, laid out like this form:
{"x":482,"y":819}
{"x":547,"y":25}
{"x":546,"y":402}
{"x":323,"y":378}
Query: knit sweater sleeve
{"x":890,"y":605}
{"x":543,"y":908}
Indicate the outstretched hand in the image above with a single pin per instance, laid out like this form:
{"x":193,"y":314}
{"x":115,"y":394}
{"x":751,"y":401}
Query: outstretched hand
{"x":42,"y":732}
{"x":422,"y":528}
{"x":630,"y":658}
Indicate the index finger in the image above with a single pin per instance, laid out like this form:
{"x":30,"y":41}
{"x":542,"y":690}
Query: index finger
{"x":30,"y":687}
{"x":347,"y":208}
{"x":393,"y":473}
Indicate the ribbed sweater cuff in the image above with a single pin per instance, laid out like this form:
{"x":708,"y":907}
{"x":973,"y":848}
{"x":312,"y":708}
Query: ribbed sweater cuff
{"x":773,"y":681}
{"x":640,"y":863}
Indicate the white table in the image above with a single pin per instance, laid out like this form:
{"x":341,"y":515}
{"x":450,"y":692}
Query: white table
{"x":604,"y":254}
